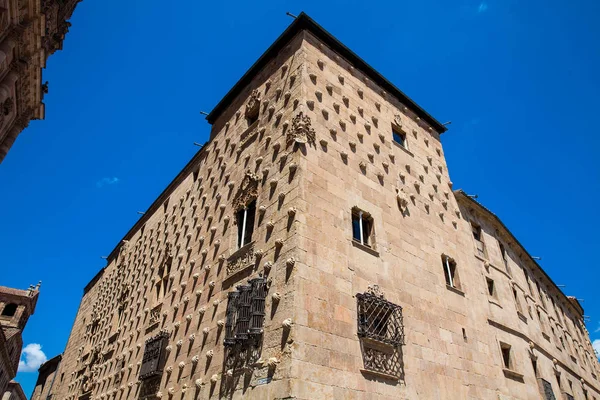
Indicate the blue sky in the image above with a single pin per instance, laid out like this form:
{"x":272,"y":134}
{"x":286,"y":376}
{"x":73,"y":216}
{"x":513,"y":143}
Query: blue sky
{"x":517,"y":79}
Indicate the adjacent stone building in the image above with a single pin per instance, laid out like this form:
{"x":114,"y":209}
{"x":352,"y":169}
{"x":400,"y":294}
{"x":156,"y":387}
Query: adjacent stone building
{"x":14,"y":391}
{"x":314,"y":249}
{"x":16,"y":306}
{"x":30,"y":31}
{"x":46,"y":377}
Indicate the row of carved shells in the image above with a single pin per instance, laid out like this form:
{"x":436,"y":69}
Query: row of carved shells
{"x":197,"y":228}
{"x":359,"y":117}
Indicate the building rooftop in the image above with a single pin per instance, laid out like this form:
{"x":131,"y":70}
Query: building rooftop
{"x":569,"y":299}
{"x":304,"y":23}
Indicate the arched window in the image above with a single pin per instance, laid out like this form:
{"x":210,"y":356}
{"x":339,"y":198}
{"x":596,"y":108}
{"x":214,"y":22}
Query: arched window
{"x":9,"y":310}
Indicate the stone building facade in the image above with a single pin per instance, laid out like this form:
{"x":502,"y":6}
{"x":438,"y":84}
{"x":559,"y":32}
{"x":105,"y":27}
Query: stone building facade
{"x":46,"y":378}
{"x":14,"y":392}
{"x":30,"y":31}
{"x":314,"y":249}
{"x":16,"y":307}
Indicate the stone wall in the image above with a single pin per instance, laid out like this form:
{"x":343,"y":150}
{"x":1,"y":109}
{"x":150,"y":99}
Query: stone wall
{"x":320,"y":151}
{"x":192,"y":227}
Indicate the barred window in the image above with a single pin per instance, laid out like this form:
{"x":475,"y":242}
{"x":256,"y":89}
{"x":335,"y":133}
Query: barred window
{"x":154,"y":356}
{"x":379,"y":320}
{"x":245,"y":312}
{"x":381,"y":331}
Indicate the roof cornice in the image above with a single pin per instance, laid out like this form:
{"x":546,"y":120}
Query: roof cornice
{"x":567,"y":299}
{"x":304,"y":23}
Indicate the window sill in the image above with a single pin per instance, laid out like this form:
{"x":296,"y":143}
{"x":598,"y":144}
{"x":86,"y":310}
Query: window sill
{"x":403,"y":148}
{"x":455,"y":290}
{"x":379,"y":374}
{"x":365,"y":248}
{"x":494,"y":302}
{"x":481,"y":258}
{"x":521,"y":316}
{"x":574,"y":359}
{"x":379,"y":345}
{"x":512,"y":374}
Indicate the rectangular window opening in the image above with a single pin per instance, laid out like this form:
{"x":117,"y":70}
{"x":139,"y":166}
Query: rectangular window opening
{"x":362,"y":227}
{"x":245,"y":222}
{"x":450,"y":273}
{"x":478,"y":236}
{"x":399,"y":136}
{"x":490,"y":287}
{"x":506,"y":359}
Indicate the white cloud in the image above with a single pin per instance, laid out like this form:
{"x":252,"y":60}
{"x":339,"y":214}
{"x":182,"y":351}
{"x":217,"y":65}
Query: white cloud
{"x":482,"y":7}
{"x":598,"y":328}
{"x":596,"y":345}
{"x":107,"y":181}
{"x":34,"y":357}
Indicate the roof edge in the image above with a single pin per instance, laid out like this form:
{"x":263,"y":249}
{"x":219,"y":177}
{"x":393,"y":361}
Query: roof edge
{"x":304,"y":22}
{"x":568,"y":299}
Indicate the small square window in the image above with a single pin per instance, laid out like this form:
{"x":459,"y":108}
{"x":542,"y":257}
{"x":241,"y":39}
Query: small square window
{"x":399,"y":137}
{"x":362,"y":227}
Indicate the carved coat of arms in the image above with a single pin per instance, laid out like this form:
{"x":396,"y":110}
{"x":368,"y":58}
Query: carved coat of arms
{"x":301,"y":130}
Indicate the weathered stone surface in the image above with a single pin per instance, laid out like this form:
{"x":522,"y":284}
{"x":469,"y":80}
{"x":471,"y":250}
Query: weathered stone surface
{"x":303,"y":243}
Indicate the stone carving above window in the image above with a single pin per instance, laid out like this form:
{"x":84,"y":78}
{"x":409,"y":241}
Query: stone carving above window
{"x":301,"y":130}
{"x":154,"y":316}
{"x":247,"y":192}
{"x":397,"y":120}
{"x":253,"y":105}
{"x":241,"y":259}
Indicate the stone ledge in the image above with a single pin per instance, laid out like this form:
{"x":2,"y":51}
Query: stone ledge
{"x":404,"y":149}
{"x":521,"y":316}
{"x":455,"y":290}
{"x":513,"y":374}
{"x":380,"y":374}
{"x":363,"y":247}
{"x":495,"y":302}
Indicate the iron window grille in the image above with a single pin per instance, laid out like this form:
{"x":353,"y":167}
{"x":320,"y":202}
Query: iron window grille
{"x":379,"y":319}
{"x":258,"y":295}
{"x":154,"y":356}
{"x":245,"y":312}
{"x":547,"y":390}
{"x":242,"y":322}
{"x":230,"y":319}
{"x":381,"y":333}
